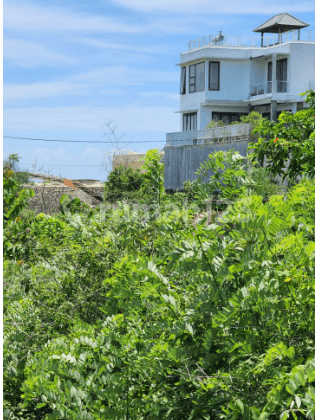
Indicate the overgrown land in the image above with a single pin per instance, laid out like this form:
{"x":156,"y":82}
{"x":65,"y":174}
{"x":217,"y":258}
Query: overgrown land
{"x":140,"y":311}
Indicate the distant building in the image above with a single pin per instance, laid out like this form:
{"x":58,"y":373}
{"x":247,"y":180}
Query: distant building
{"x":224,"y":77}
{"x":130,"y":160}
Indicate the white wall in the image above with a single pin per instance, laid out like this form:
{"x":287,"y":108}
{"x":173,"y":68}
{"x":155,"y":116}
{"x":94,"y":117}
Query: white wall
{"x":238,"y":73}
{"x":302,"y":67}
{"x":259,"y":71}
{"x":234,"y":85}
{"x":206,"y":112}
{"x":234,"y":81}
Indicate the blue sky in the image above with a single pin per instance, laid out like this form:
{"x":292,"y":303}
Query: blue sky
{"x":72,"y":66}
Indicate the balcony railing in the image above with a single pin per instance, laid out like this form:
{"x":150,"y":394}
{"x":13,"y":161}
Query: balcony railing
{"x":251,"y":41}
{"x":264,"y":88}
{"x":228,"y":134}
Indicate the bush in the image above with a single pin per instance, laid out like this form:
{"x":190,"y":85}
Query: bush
{"x":286,"y":146}
{"x":123,"y":183}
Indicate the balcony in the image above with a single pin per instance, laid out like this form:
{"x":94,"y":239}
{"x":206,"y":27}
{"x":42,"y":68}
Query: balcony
{"x":227,"y":134}
{"x":266,"y":88}
{"x":251,"y":41}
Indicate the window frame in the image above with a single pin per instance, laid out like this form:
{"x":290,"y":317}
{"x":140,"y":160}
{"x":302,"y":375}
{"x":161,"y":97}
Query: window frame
{"x":192,"y":79}
{"x":221,"y":115}
{"x":187,"y":115}
{"x":182,"y":89}
{"x":219,"y":72}
{"x":279,"y":69}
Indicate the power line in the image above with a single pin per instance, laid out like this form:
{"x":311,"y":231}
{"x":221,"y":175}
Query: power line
{"x":72,"y":166}
{"x":85,"y":141}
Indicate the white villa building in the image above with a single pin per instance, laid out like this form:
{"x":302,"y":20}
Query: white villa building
{"x":224,"y":77}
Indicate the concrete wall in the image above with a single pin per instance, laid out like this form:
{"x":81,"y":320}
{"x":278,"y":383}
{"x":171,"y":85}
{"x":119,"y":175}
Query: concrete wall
{"x":182,"y":162}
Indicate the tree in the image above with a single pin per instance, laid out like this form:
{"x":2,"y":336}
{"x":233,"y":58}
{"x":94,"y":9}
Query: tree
{"x":287,"y":146}
{"x":12,"y":163}
{"x":15,"y":198}
{"x":153,"y":185}
{"x":115,"y":148}
{"x":123,"y":183}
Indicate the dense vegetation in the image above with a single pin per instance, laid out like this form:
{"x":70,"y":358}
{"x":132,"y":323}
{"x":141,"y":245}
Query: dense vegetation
{"x":140,"y":312}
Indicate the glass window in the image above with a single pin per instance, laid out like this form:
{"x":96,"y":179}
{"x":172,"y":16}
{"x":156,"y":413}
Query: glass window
{"x":183,"y":81}
{"x":214,"y":75}
{"x":197,"y":77}
{"x":190,"y":122}
{"x":200,"y":77}
{"x":227,"y":117}
{"x":192,"y":79}
{"x":282,"y":75}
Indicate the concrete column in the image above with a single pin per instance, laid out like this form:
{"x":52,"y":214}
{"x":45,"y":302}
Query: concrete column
{"x":294,"y":108}
{"x":273,"y":110}
{"x":274,"y":74}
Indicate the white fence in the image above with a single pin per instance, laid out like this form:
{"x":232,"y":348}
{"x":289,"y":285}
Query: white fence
{"x":282,"y":86}
{"x":251,"y":41}
{"x":227,"y":134}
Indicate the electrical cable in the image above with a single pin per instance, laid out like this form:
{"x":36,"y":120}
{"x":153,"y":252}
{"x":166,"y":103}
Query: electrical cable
{"x":85,"y":141}
{"x":72,"y":166}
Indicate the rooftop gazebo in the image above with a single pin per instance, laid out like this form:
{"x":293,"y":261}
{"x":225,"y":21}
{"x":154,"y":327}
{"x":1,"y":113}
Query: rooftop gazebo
{"x":284,"y":22}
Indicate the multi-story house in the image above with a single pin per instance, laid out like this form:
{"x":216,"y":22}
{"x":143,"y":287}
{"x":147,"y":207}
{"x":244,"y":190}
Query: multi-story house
{"x":224,"y":77}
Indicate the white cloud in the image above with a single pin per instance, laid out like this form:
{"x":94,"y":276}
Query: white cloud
{"x":166,"y":95}
{"x":31,"y":54}
{"x":101,"y":43}
{"x":112,"y":92}
{"x":126,"y":75}
{"x":83,"y":83}
{"x":31,"y":18}
{"x":91,"y":155}
{"x":48,"y":155}
{"x":42,"y":90}
{"x":265,"y":7}
{"x":128,"y":118}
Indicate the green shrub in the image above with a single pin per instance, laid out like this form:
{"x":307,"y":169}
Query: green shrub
{"x":123,"y":183}
{"x":286,"y":146}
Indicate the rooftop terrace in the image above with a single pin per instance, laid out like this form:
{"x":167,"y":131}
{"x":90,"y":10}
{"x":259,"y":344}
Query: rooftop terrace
{"x":251,"y":41}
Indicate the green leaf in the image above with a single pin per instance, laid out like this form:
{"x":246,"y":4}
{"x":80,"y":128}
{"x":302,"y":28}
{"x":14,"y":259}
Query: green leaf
{"x":40,"y":405}
{"x":298,"y":401}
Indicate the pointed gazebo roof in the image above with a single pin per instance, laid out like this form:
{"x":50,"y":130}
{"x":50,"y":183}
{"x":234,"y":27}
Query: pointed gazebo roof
{"x":283,"y":22}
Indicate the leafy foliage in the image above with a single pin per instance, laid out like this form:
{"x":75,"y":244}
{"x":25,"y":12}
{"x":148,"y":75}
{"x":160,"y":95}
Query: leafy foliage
{"x":287,"y":145}
{"x":123,"y":183}
{"x":153,"y":185}
{"x":136,"y":313}
{"x":12,"y":163}
{"x":226,"y":171}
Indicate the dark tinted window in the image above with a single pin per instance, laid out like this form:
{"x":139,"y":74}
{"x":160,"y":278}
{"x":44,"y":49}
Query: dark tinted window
{"x":183,"y":81}
{"x":214,"y":75}
{"x":190,"y":122}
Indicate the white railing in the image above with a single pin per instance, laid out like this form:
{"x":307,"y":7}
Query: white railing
{"x":266,"y":87}
{"x":227,"y":134}
{"x":251,"y":41}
